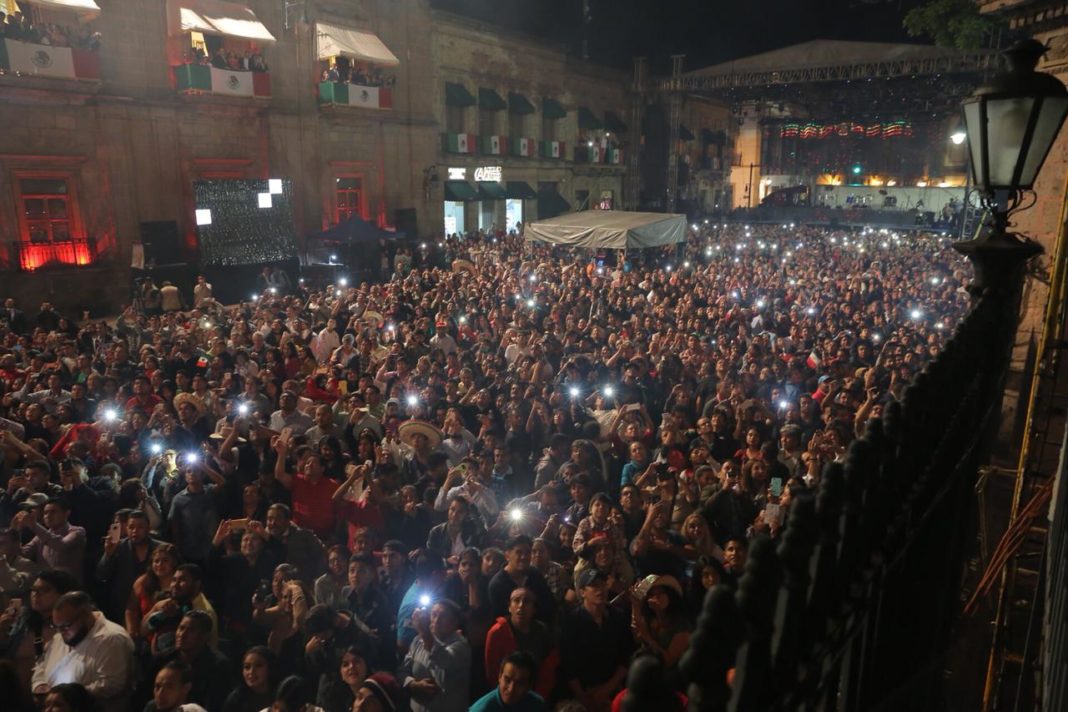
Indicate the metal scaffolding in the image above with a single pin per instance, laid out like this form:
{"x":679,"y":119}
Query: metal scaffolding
{"x":967,"y":63}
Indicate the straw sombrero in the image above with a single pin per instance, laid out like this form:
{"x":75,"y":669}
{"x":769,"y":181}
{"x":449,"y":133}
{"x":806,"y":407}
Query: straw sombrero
{"x":410,"y":428}
{"x":372,"y":316}
{"x":183,"y":398}
{"x":463,"y":266}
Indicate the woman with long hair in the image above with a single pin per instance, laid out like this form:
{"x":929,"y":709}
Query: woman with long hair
{"x":338,"y":692}
{"x":256,"y":691}
{"x":150,"y":585}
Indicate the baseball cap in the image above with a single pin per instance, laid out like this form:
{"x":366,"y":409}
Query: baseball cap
{"x":587,"y":577}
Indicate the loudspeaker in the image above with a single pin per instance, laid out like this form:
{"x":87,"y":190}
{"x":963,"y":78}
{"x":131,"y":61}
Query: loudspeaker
{"x":407,"y":222}
{"x":161,"y":242}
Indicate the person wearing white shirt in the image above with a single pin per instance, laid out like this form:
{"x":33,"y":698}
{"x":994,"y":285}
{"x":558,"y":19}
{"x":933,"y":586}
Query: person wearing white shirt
{"x":326,"y":341}
{"x":437,"y":669}
{"x":87,"y":649}
{"x":473,"y":490}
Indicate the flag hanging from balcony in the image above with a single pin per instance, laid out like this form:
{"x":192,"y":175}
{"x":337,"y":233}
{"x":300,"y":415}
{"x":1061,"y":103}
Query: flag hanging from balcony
{"x":524,"y":147}
{"x":552,"y":149}
{"x":28,"y":58}
{"x":615,"y":156}
{"x":493,"y":145}
{"x":459,"y":143}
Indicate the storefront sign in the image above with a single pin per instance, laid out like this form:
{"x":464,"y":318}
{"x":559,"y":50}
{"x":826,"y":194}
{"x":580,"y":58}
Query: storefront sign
{"x":458,"y":174}
{"x":488,"y":174}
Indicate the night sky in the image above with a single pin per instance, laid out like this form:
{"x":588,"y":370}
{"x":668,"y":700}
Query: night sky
{"x":706,"y":31}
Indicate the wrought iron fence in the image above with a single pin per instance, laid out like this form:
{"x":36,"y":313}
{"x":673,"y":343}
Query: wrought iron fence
{"x":851,"y":610}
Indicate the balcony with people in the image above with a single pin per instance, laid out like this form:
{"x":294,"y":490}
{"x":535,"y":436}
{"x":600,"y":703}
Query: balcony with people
{"x":599,"y":140}
{"x":354,"y":68}
{"x":51,"y":39}
{"x":216,"y":48}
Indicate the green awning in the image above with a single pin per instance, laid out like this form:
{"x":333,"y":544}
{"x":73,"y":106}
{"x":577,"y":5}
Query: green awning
{"x":459,"y":191}
{"x":520,"y":190}
{"x":457,"y":95}
{"x":685,"y":134}
{"x":588,"y":120}
{"x":490,"y":100}
{"x":491,"y":190}
{"x":551,"y":204}
{"x":613,"y":123}
{"x":519,"y":104}
{"x":552,"y":109}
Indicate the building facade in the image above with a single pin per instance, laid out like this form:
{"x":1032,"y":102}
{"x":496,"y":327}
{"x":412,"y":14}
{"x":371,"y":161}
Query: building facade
{"x":112,"y":114}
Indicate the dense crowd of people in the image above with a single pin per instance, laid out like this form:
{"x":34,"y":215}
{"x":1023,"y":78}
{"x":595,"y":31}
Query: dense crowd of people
{"x":487,"y":485}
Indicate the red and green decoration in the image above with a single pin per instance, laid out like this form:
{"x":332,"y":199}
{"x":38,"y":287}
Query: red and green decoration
{"x":459,"y":143}
{"x":205,"y":79}
{"x":526,"y":147}
{"x":844,"y":129}
{"x":339,"y":93}
{"x":552,"y":149}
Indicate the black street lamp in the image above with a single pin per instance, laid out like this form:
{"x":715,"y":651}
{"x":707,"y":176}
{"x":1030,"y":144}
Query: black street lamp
{"x":1011,"y":126}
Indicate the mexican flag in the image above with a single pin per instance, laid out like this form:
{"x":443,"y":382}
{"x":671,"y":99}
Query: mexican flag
{"x":596,"y":154}
{"x":523,"y":146}
{"x":552,"y":149}
{"x":615,"y":156}
{"x":494,"y":145}
{"x":813,"y":361}
{"x":205,"y":79}
{"x":354,"y":95}
{"x":46,"y":61}
{"x":459,"y":143}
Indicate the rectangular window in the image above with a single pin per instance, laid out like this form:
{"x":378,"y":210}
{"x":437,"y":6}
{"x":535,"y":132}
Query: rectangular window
{"x":454,"y":119}
{"x":349,"y":195}
{"x":46,"y":209}
{"x":516,"y":126}
{"x":487,"y":123}
{"x":548,"y":129}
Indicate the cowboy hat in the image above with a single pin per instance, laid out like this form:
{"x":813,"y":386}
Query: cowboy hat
{"x":463,"y":265}
{"x":188,"y":398}
{"x":371,"y":316}
{"x":410,"y":428}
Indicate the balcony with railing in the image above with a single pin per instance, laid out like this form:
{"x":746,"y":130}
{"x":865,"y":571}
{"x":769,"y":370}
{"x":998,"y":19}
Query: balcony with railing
{"x":33,"y":256}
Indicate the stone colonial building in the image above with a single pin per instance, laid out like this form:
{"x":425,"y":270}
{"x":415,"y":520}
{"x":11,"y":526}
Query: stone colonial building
{"x":406,"y":116}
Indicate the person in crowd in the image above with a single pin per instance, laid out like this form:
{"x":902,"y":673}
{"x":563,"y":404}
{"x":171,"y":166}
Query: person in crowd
{"x":436,"y":671}
{"x":56,"y":543}
{"x":172,"y":689}
{"x":595,"y":645}
{"x":210,"y":670}
{"x":258,"y":675}
{"x":520,"y":631}
{"x":87,"y":647}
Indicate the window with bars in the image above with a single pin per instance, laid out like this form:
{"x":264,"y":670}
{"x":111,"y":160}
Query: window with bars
{"x":349,"y":198}
{"x":46,"y":208}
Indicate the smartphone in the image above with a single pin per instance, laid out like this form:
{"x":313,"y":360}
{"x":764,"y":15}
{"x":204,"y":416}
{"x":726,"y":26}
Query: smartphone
{"x":343,"y":387}
{"x":115,"y":532}
{"x":238,"y":525}
{"x":776,"y":486}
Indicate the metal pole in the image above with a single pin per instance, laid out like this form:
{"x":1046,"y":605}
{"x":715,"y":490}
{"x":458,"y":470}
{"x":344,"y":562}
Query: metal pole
{"x":749,"y":189}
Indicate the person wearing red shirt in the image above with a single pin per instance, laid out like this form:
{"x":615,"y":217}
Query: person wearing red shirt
{"x":143,"y":397}
{"x":312,"y":492}
{"x":362,"y":509}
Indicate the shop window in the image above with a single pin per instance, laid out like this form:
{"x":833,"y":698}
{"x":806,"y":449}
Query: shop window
{"x":350,"y":198}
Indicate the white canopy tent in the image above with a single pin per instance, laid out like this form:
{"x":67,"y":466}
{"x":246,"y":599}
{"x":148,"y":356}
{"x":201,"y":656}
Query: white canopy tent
{"x":610,"y":229}
{"x":215,"y":17}
{"x":332,"y":41}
